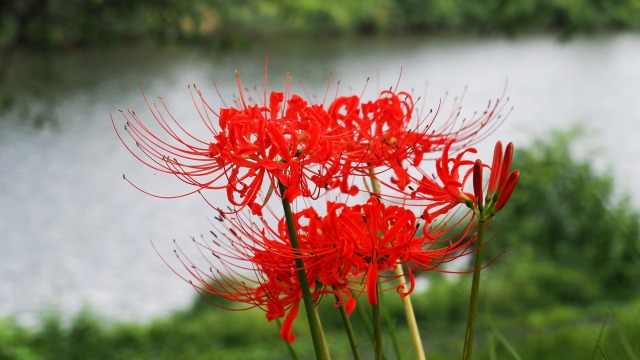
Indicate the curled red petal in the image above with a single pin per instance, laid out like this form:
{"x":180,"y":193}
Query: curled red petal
{"x":286,"y":331}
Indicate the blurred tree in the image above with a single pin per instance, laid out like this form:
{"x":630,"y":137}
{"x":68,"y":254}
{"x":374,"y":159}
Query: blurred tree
{"x":42,"y":25}
{"x":568,"y":214}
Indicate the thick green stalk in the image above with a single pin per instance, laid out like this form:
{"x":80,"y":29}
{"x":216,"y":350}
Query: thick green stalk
{"x":317,"y":334}
{"x":412,"y":324}
{"x":475,"y":290}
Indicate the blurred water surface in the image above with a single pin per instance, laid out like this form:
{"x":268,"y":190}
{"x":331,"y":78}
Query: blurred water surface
{"x":75,"y":234}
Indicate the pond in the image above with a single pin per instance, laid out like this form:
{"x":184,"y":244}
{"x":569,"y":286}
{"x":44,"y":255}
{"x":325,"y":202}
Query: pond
{"x":75,"y":234}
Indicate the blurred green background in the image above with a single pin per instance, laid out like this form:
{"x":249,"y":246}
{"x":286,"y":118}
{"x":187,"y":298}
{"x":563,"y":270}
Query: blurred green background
{"x":76,"y":23}
{"x":568,"y":286}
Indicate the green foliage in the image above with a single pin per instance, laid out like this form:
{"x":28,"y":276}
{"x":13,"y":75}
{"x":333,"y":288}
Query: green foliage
{"x":73,"y":23}
{"x":565,"y":214}
{"x":538,"y":285}
{"x":563,"y":16}
{"x":15,"y":341}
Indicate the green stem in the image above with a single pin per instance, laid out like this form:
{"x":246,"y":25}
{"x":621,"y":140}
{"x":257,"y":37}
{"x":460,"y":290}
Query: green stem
{"x":349,"y":329}
{"x":317,"y":334}
{"x":412,"y":324}
{"x":416,"y":340}
{"x":366,"y":322}
{"x":364,"y":318}
{"x":375,"y":186}
{"x":475,"y":289}
{"x":377,"y":330}
{"x":390,"y":325}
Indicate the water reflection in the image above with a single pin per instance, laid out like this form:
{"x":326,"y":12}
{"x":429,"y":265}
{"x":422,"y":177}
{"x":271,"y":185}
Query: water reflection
{"x":74,"y":233}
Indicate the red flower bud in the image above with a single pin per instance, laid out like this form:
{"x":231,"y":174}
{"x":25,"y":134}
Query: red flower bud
{"x":506,"y":165}
{"x":505,"y":193}
{"x":495,"y":166}
{"x":477,"y":181}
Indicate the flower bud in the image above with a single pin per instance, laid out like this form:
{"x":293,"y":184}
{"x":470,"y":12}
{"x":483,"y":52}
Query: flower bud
{"x":506,"y":192}
{"x":495,"y":166}
{"x":477,"y":181}
{"x":506,"y":165}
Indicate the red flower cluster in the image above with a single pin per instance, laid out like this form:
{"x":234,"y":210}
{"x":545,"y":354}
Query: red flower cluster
{"x":349,"y":251}
{"x":302,"y":146}
{"x":309,"y":151}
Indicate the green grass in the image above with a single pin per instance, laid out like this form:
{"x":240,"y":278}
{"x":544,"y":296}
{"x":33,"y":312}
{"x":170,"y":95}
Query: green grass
{"x":556,"y":332}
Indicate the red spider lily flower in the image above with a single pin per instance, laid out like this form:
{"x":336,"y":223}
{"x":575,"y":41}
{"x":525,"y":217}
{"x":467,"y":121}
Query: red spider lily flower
{"x":250,"y":265}
{"x":254,"y":264}
{"x":279,"y":290}
{"x":444,"y":191}
{"x":388,"y":230}
{"x":363,"y":244}
{"x":387,"y":136}
{"x":286,"y":140}
{"x":384,"y":136}
{"x":352,"y":248}
{"x":354,"y":245}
